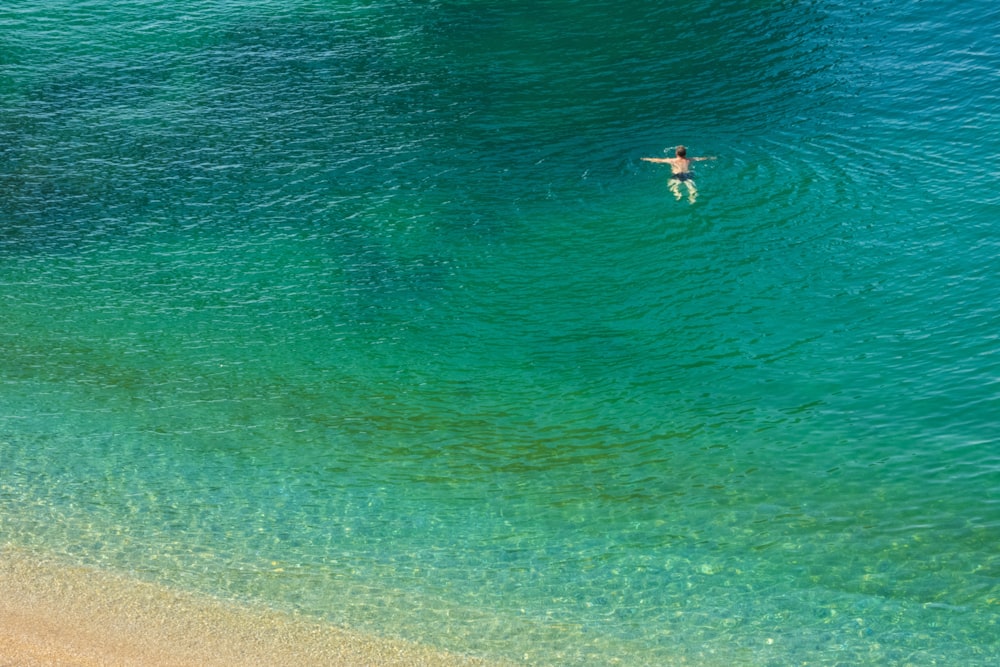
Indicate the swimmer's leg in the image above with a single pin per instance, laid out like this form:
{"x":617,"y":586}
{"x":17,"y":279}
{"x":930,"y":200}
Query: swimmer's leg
{"x":692,"y":191}
{"x":675,"y":187}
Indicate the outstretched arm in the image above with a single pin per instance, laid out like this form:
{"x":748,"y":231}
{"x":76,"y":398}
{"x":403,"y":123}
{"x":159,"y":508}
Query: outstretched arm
{"x":702,"y":159}
{"x":656,"y":159}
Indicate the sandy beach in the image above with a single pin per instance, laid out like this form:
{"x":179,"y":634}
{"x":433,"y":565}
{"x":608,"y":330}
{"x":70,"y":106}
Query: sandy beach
{"x":58,"y":615}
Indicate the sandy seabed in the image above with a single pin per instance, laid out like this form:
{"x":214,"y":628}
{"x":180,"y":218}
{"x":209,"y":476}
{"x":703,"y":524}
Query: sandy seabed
{"x":60,"y":615}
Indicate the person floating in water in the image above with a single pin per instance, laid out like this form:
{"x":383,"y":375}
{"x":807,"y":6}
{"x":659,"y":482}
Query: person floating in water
{"x":680,"y":168}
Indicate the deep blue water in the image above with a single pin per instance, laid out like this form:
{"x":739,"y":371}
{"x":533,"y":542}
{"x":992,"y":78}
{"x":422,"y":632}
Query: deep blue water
{"x":370,"y":310}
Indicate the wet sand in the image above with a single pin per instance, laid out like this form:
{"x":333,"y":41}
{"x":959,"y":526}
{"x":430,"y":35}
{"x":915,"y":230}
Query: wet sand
{"x":58,"y":615}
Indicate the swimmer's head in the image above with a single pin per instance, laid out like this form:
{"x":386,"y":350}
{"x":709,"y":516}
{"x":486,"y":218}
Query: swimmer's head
{"x":681,"y":151}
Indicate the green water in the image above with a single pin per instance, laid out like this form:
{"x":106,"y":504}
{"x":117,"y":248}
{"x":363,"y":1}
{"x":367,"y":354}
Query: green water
{"x":371,"y":311}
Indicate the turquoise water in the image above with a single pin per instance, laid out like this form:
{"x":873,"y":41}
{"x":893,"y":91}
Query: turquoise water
{"x":371,"y":311}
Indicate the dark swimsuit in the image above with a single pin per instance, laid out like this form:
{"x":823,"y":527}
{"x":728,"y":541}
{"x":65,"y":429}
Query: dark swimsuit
{"x":683,"y":176}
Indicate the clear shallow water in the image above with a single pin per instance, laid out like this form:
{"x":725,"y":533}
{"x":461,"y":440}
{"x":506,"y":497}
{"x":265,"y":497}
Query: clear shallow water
{"x":370,"y":310}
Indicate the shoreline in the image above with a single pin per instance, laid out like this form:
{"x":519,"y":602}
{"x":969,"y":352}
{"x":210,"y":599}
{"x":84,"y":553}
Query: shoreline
{"x":64,"y":615}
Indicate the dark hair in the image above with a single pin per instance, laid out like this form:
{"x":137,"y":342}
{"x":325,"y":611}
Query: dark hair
{"x":681,"y":151}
